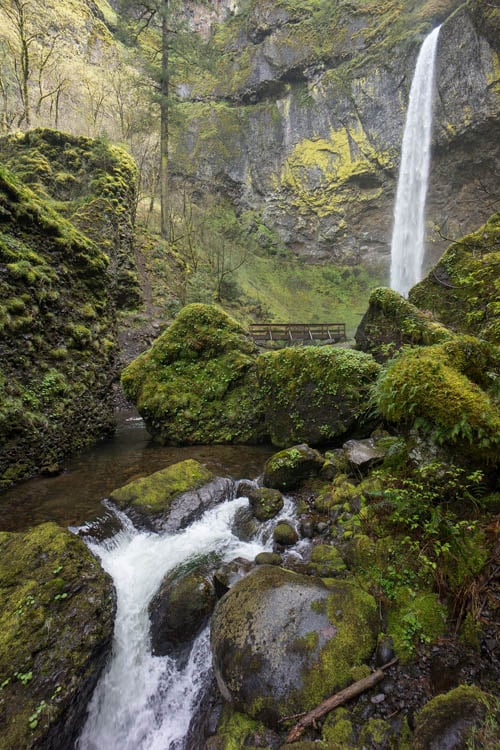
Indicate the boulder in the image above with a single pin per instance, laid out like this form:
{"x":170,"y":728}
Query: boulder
{"x":268,"y":558}
{"x":283,"y":642}
{"x":230,"y":573}
{"x":326,"y":561}
{"x":266,"y":503}
{"x":56,"y":622}
{"x":287,"y":469}
{"x":362,"y":454}
{"x":284,"y":534}
{"x":391,"y":321}
{"x":314,"y":394}
{"x":198,"y":382}
{"x":447,"y":722}
{"x":180,"y":609}
{"x":172,"y":498}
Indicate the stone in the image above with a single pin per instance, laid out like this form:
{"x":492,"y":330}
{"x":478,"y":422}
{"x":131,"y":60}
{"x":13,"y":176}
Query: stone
{"x":363,"y":454}
{"x":283,"y":642}
{"x":285,"y":534}
{"x":447,"y":721}
{"x":326,"y":561}
{"x":198,"y":382}
{"x":170,"y":499}
{"x":315,"y":394}
{"x":230,"y":573}
{"x":180,"y":609}
{"x":287,"y":469}
{"x":57,"y":611}
{"x":266,"y":503}
{"x":268,"y":558}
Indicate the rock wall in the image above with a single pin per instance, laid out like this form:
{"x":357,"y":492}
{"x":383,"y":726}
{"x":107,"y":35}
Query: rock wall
{"x":59,"y":289}
{"x":303,"y":121}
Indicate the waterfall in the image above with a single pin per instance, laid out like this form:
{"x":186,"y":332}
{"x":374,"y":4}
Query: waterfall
{"x":407,"y":247}
{"x":146,"y":702}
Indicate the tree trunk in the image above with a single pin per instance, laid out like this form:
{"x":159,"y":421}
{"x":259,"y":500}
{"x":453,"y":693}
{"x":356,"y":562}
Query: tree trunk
{"x":164,"y":92}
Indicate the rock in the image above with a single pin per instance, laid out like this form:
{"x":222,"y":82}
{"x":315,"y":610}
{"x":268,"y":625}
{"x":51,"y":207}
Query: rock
{"x":56,"y":623}
{"x":314,"y":394}
{"x":172,"y":498}
{"x":266,"y":503}
{"x":245,"y":525}
{"x":283,"y":642}
{"x":285,"y":534}
{"x":391,"y":321}
{"x":326,"y":561}
{"x":268,"y":558}
{"x":287,"y":469}
{"x":385,"y":651}
{"x":198,"y":382}
{"x":447,"y":721}
{"x":230,"y":573}
{"x":441,"y":387}
{"x":363,"y":454}
{"x":180,"y":609}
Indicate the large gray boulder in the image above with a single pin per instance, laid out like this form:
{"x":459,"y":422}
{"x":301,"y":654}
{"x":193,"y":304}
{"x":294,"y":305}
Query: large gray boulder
{"x":283,"y":642}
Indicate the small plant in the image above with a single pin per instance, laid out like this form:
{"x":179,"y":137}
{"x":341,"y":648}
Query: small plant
{"x":24,"y":677}
{"x":35,"y":716}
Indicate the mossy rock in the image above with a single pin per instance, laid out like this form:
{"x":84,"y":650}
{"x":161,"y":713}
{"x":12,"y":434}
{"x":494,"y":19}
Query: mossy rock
{"x":283,"y":642}
{"x":314,"y":394}
{"x":266,"y":503}
{"x":284,"y":534}
{"x":180,"y":609}
{"x":56,"y":620}
{"x":268,"y":558}
{"x":287,"y":469}
{"x":432,"y":388}
{"x":326,"y":561}
{"x":391,"y":321}
{"x":337,"y":732}
{"x":173,"y":497}
{"x":464,"y":287}
{"x":236,"y":730}
{"x":452,"y":719}
{"x":198,"y":383}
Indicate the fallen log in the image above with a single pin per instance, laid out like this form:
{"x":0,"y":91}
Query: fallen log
{"x":337,"y":700}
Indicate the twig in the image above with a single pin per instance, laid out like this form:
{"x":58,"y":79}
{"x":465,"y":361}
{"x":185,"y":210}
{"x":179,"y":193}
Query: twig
{"x":337,"y":700}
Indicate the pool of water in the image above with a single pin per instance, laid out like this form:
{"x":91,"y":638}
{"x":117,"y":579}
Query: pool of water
{"x":75,"y":496}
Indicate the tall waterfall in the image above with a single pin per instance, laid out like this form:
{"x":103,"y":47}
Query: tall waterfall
{"x":407,"y":247}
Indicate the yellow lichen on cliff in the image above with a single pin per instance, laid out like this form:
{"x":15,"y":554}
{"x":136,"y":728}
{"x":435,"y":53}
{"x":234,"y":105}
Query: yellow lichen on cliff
{"x":318,"y":169}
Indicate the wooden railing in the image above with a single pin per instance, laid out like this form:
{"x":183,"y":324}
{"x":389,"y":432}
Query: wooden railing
{"x":292,"y":333}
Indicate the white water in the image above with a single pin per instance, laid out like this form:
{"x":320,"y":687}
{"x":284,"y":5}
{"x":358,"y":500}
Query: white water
{"x":144,"y":702}
{"x":408,"y":241}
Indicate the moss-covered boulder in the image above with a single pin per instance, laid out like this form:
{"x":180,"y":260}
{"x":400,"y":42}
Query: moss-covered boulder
{"x":180,"y":609}
{"x":198,"y":382}
{"x":326,"y":561}
{"x":391,"y":321}
{"x":173,"y":497}
{"x":283,"y":642}
{"x":285,"y":534}
{"x":290,"y":467}
{"x":56,"y":625}
{"x":314,"y":394}
{"x":235,"y":731}
{"x":440,"y":389}
{"x":463,"y":289}
{"x":265,"y":502}
{"x":451,"y":720}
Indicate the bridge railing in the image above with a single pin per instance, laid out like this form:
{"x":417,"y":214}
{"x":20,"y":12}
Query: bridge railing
{"x":291,"y":333}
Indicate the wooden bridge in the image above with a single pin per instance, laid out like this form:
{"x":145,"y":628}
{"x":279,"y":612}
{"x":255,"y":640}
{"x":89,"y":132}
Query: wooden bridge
{"x":292,"y":333}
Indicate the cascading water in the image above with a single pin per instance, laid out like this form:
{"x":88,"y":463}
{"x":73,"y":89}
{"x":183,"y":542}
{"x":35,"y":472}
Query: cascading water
{"x":407,"y":247}
{"x":146,"y":702}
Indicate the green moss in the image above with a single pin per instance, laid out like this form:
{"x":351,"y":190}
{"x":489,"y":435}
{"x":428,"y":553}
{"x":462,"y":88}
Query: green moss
{"x":425,"y":387}
{"x":236,"y":730}
{"x":467,"y":301}
{"x":197,"y":384}
{"x":339,"y":733}
{"x":413,"y":618}
{"x":326,"y":561}
{"x":48,"y":582}
{"x":314,"y":394}
{"x":378,"y":733}
{"x":157,"y":491}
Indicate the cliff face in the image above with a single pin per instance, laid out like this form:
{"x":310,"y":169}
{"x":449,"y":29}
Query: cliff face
{"x":303,"y":120}
{"x":59,"y":288}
